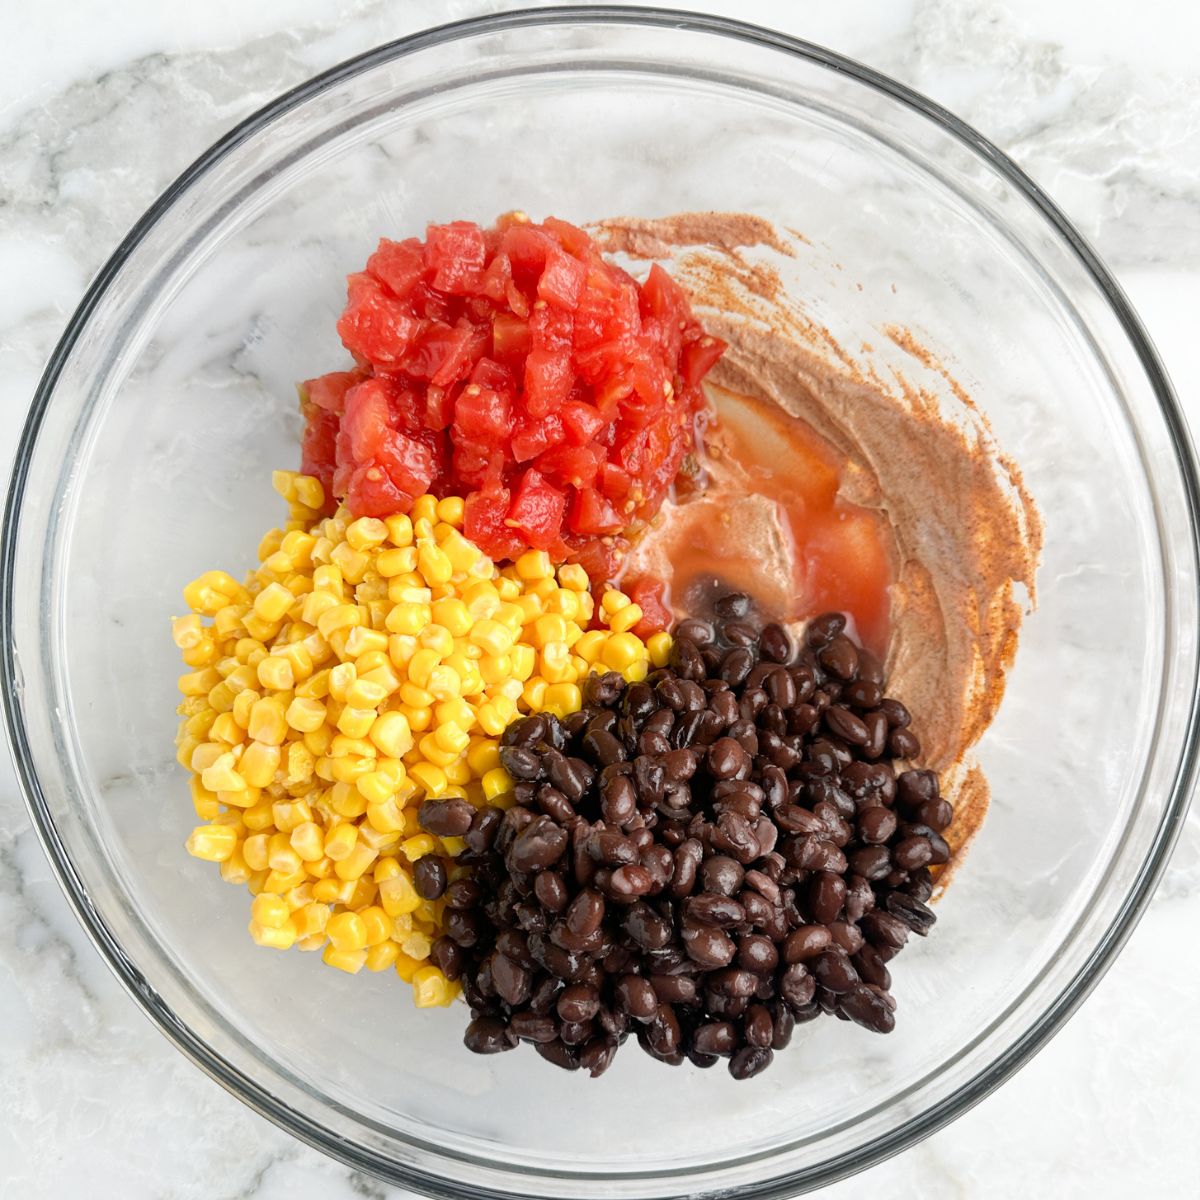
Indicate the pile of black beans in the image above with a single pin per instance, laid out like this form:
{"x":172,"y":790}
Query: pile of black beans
{"x":705,"y":859}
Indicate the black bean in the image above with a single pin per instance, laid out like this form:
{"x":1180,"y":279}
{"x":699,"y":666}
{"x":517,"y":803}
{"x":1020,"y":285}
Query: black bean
{"x":721,"y":874}
{"x":871,"y":862}
{"x":675,"y":989}
{"x":585,"y":913}
{"x":903,"y":743}
{"x":530,"y":1027}
{"x":448,"y":957}
{"x":775,"y":645}
{"x":867,"y":1008}
{"x":446,"y":818}
{"x":898,"y":717}
{"x":839,"y":657}
{"x":750,"y":1061}
{"x":826,"y":895}
{"x":876,"y":825}
{"x":635,"y":997}
{"x":882,"y":929}
{"x":578,"y":1003}
{"x":648,"y":928}
{"x":720,"y":1038}
{"x":429,"y":877}
{"x":821,"y":630}
{"x":806,"y":943}
{"x":735,"y":666}
{"x":714,"y":908}
{"x":538,"y":846}
{"x":488,"y":1035}
{"x":842,"y":723}
{"x":707,"y":945}
{"x":916,"y":915}
{"x":909,"y":853}
{"x":757,"y":953}
{"x":732,"y":606}
{"x":834,"y":972}
{"x":602,"y":747}
{"x":558,"y":1054}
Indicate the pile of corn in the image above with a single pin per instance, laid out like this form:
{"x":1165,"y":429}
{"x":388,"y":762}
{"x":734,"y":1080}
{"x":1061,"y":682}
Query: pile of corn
{"x":365,"y":666}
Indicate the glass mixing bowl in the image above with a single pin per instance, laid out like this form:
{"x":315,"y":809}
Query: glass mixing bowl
{"x":147,"y":458}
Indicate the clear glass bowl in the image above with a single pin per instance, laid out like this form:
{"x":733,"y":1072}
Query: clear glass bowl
{"x":168,"y":401}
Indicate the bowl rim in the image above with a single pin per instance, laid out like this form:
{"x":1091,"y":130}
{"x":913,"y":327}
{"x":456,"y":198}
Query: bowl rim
{"x":253,"y":1094}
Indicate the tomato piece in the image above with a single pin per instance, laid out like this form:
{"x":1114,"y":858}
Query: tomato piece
{"x":647,"y":593}
{"x":376,"y":326}
{"x":574,"y":465}
{"x":484,"y":522}
{"x":457,"y":254}
{"x":400,"y":266}
{"x":561,"y":283}
{"x":480,"y":412}
{"x":548,"y":379}
{"x":537,"y":510}
{"x":535,"y":437}
{"x":581,"y":422}
{"x":329,"y":391}
{"x":592,"y":513}
{"x":699,"y":357}
{"x":511,"y":337}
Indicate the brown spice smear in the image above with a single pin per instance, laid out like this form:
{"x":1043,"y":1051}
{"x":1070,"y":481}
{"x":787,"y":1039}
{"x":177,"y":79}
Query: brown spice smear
{"x":967,"y":535}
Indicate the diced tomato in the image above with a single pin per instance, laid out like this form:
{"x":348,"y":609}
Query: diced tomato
{"x":561,"y":283}
{"x":399,"y":265}
{"x":536,"y":436}
{"x":457,"y":254}
{"x":329,"y":391}
{"x":594,"y":514}
{"x":537,"y":510}
{"x":518,"y":368}
{"x":574,"y":465}
{"x":647,"y":593}
{"x":483,"y":413}
{"x":698,"y":358}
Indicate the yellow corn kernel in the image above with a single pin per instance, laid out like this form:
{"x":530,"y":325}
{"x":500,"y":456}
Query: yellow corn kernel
{"x":431,"y":989}
{"x":350,"y":961}
{"x":621,"y":650}
{"x":222,"y":775}
{"x":270,"y":910}
{"x":431,"y":778}
{"x":451,"y":510}
{"x":534,"y":564}
{"x":305,"y":715}
{"x":366,"y":533}
{"x":533,"y":694}
{"x":386,"y":817}
{"x":417,"y":945}
{"x":391,"y":734}
{"x":259,"y":816}
{"x":434,"y":754}
{"x":443,"y":683}
{"x":213,"y":591}
{"x":382,"y":955}
{"x":613,"y":601}
{"x":352,"y":563}
{"x":199,"y":683}
{"x":435,"y":567}
{"x":213,"y":843}
{"x":424,"y":508}
{"x":418,"y":846}
{"x":377,"y":925}
{"x":234,"y":869}
{"x":333,"y":891}
{"x":436,"y":638}
{"x":483,"y":755}
{"x":496,"y":782}
{"x":275,"y":671}
{"x":398,"y":561}
{"x":361,"y":641}
{"x":511,"y":615}
{"x":420,"y":665}
{"x":556,"y":663}
{"x":346,"y":931}
{"x":357,"y":861}
{"x":311,"y":919}
{"x":490,"y":719}
{"x":625,"y":618}
{"x":268,"y":722}
{"x":491,"y":636}
{"x":549,"y":628}
{"x":564,"y":602}
{"x":398,"y":895}
{"x":658,"y":646}
{"x":272,"y":603}
{"x":308,"y":841}
{"x":452,"y":738}
{"x":258,"y":764}
{"x":340,"y":679}
{"x":481,"y":599}
{"x":282,"y":938}
{"x":524,"y":660}
{"x":493,"y":668}
{"x":465,"y":557}
{"x":255,"y":850}
{"x":340,"y":616}
{"x":636,"y":671}
{"x":408,"y":617}
{"x":205,"y":803}
{"x":456,"y":711}
{"x":365,"y":694}
{"x":206,"y":755}
{"x":531,"y":607}
{"x":574,"y":577}
{"x":349,"y":768}
{"x":400,"y":530}
{"x":562,"y":699}
{"x":419,"y":717}
{"x":340,"y":841}
{"x":591,"y":644}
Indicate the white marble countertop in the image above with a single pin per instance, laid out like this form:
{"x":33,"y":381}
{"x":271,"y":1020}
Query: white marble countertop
{"x":101,"y":106}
